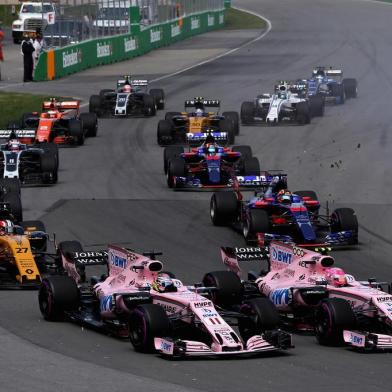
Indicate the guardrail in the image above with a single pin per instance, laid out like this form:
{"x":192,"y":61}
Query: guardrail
{"x":60,"y":62}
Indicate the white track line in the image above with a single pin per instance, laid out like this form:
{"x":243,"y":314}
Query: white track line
{"x":259,"y":37}
{"x":269,"y":26}
{"x":262,"y":35}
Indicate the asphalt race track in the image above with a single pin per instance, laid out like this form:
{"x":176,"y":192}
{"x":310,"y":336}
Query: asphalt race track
{"x":113,"y":190}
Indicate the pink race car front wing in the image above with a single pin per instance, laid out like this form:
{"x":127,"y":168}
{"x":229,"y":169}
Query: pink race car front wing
{"x":255,"y":345}
{"x":367,"y":340}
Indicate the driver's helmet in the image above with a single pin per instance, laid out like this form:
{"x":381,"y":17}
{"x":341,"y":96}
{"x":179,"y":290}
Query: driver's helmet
{"x":52,"y":113}
{"x":13,"y":145}
{"x":282,"y":95}
{"x":211,"y":150}
{"x":127,"y":88}
{"x":199,"y":112}
{"x":284,"y":196}
{"x":6,"y":227}
{"x":164,"y":284}
{"x":336,"y":277}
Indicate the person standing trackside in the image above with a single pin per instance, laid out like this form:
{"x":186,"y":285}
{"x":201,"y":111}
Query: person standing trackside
{"x":37,"y":48}
{"x":27,"y":49}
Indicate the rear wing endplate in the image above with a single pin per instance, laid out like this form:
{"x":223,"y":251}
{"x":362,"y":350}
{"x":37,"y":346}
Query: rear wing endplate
{"x":231,"y":257}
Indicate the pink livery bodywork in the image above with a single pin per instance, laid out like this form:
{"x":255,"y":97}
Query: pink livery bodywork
{"x":133,"y":274}
{"x":295,"y":273}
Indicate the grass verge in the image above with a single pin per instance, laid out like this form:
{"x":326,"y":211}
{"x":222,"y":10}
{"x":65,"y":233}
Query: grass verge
{"x":13,"y":105}
{"x":237,"y":20}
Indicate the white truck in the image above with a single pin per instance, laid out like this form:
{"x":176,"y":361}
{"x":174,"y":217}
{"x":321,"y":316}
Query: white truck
{"x":32,"y":17}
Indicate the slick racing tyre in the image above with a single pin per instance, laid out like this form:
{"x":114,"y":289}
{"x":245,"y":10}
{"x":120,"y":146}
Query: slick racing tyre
{"x":337,"y":90}
{"x":245,"y":151}
{"x":94,"y":105}
{"x":53,"y":149}
{"x":75,"y":129}
{"x":316,"y":106}
{"x":235,"y":118}
{"x":104,"y":92}
{"x":169,"y":115}
{"x":30,"y":120}
{"x":12,"y":197}
{"x":176,"y":168}
{"x":149,"y":108}
{"x":262,"y":316}
{"x":247,"y":112}
{"x":350,"y":87}
{"x":332,"y":317}
{"x":223,"y":208}
{"x":227,"y":126}
{"x":159,"y":98}
{"x":169,"y":153}
{"x":251,"y":167}
{"x":303,"y":113}
{"x":228,"y":288}
{"x":68,"y":248}
{"x":164,"y":132}
{"x":90,"y":123}
{"x":57,"y":294}
{"x":344,"y":219}
{"x":257,"y":221}
{"x":146,"y":322}
{"x":49,"y":168}
{"x":10,"y":185}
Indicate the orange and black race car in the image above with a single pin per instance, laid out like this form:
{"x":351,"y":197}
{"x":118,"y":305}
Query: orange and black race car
{"x":59,"y":122}
{"x":193,"y":123}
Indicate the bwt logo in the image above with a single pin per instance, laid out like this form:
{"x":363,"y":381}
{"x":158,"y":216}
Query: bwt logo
{"x":281,"y":256}
{"x":356,"y":339}
{"x":118,"y":261}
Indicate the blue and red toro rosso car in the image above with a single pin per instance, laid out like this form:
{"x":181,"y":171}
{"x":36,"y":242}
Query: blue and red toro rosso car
{"x":210,"y":166}
{"x":279,"y":214}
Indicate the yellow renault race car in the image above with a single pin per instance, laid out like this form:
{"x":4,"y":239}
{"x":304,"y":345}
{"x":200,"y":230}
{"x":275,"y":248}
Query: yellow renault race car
{"x":191,"y":125}
{"x":21,"y":254}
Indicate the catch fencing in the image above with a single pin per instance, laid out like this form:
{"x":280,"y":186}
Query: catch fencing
{"x":143,"y":34}
{"x":81,"y":20}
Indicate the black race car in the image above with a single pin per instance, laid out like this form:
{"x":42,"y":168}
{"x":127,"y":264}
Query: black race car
{"x":129,"y":99}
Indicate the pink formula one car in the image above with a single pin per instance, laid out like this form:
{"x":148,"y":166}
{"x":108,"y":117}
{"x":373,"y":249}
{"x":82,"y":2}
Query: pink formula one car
{"x":156,"y":311}
{"x":311,"y":294}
